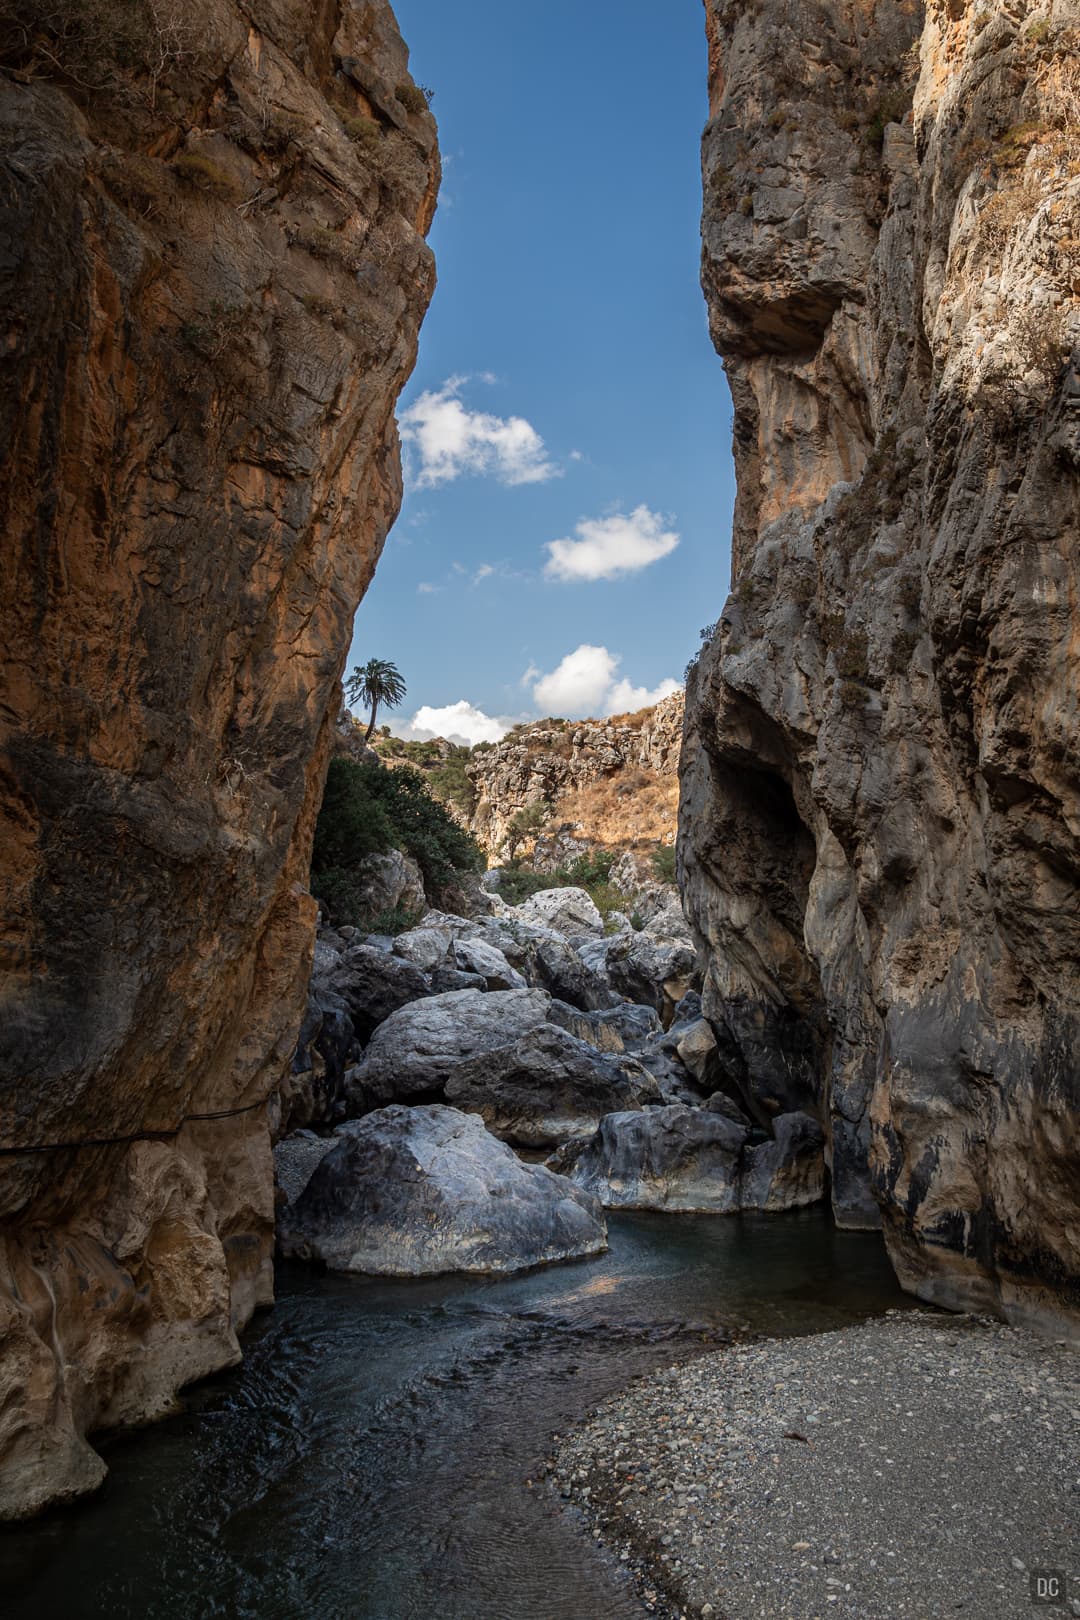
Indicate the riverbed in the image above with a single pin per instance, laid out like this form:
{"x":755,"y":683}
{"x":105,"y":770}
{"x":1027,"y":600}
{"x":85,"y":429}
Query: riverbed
{"x":376,"y":1456}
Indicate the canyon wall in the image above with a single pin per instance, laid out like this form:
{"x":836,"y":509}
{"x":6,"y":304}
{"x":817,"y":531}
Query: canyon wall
{"x":212,"y":270}
{"x":598,"y":783}
{"x":881,"y":771}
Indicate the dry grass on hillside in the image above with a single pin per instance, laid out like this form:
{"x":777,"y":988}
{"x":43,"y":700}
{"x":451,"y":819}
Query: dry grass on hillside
{"x":636,"y":808}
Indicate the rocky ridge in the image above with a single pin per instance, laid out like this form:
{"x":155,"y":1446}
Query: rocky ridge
{"x":609,"y":783}
{"x":213,"y":275}
{"x":880,"y":791}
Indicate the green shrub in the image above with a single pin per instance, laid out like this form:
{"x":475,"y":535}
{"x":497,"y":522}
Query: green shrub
{"x":364,"y":131}
{"x":591,"y":871}
{"x":202,"y":174}
{"x":592,"y":867}
{"x":526,"y":823}
{"x":852,"y":695}
{"x":367,"y":809}
{"x":851,"y":656}
{"x":412,"y":97}
{"x":451,"y":784}
{"x":663,"y":862}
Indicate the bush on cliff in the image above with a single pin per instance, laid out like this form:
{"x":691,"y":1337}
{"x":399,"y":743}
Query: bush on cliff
{"x":367,"y":809}
{"x":591,"y":871}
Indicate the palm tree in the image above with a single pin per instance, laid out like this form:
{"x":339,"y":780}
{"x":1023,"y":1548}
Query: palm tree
{"x":375,"y":682}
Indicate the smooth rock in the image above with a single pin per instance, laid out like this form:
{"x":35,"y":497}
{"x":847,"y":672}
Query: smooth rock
{"x":412,"y":1192}
{"x":419,"y":1048}
{"x":568,"y":911}
{"x":548,"y":1087}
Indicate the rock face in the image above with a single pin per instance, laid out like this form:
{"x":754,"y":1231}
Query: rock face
{"x":502,"y":1055}
{"x":410,"y":1192}
{"x":881,"y":777}
{"x":213,"y":274}
{"x":601,"y":782}
{"x":681,"y":1158}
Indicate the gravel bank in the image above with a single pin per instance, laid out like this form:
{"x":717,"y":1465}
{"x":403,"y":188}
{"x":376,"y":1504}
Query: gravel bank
{"x":914,"y":1466}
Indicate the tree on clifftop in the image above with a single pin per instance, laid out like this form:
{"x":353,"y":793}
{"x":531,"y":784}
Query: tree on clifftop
{"x":377,"y":681}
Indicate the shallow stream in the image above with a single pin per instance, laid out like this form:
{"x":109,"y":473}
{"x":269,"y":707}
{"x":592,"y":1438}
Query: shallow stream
{"x":370,"y":1460}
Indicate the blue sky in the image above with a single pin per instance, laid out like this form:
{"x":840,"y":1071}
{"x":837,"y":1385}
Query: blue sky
{"x":568,"y":420}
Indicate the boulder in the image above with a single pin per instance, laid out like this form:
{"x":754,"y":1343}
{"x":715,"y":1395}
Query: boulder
{"x":674,"y":1158}
{"x":548,"y":1087}
{"x":314,"y":1091}
{"x":697,"y":1053}
{"x":475,"y":955}
{"x":418,"y":1191}
{"x":568,"y":911}
{"x":447,"y":977}
{"x":419,"y":1048}
{"x":390,"y":881}
{"x":550,"y":961}
{"x":424,"y":947}
{"x":374,"y":983}
{"x":611,"y":1029}
{"x":296,"y":1158}
{"x":646,"y":968}
{"x":681,"y":1158}
{"x":788,"y":1170}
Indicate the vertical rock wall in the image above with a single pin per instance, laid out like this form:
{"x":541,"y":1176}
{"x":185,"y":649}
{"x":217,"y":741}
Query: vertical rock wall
{"x":212,"y":271}
{"x":881,"y":771}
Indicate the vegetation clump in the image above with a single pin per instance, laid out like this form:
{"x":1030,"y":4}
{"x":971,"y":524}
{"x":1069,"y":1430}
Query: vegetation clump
{"x":367,"y":810}
{"x":202,"y":174}
{"x":413,"y":97}
{"x":591,"y":871}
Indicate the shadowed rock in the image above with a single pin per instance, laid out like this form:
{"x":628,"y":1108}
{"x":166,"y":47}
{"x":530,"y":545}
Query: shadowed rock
{"x":410,"y":1192}
{"x":681,"y":1158}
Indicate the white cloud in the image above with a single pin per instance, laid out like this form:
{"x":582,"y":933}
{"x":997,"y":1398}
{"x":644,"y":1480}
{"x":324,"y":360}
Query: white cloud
{"x":484,"y":570}
{"x":625,"y":698}
{"x":586,"y":683}
{"x":607,"y":547}
{"x":450,"y":440}
{"x":459,"y":722}
{"x":579,"y":683}
{"x":425,"y":588}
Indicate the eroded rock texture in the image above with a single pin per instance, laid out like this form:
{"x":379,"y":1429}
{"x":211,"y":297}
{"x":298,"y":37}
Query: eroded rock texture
{"x":212,"y":271}
{"x":881,"y":791}
{"x":602,"y":783}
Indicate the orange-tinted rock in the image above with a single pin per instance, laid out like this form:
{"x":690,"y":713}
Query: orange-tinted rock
{"x":212,"y":287}
{"x":881,"y":797}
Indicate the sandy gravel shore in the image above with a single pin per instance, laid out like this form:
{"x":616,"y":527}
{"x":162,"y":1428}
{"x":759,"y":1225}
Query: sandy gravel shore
{"x":915,"y":1466}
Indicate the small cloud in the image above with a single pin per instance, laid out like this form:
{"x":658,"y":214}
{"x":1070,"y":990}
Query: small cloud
{"x":451,"y":440}
{"x":586,"y":683}
{"x":608,"y":547}
{"x":425,"y":588}
{"x":578,"y":685}
{"x":460,"y":722}
{"x":530,"y":674}
{"x":459,"y":568}
{"x":484,"y":571}
{"x":625,"y":698}
{"x":576,"y":455}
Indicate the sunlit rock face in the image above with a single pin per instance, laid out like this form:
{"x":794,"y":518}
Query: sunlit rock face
{"x":880,"y":778}
{"x":213,"y":270}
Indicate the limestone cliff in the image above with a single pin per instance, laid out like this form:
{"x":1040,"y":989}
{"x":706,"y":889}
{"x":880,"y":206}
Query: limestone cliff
{"x":212,"y":271}
{"x":881,"y":775}
{"x":598,"y":783}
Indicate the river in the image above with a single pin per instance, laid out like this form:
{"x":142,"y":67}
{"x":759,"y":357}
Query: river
{"x":372,"y":1458}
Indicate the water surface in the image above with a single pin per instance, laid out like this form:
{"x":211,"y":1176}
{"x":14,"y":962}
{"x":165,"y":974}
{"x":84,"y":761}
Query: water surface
{"x":370,"y":1460}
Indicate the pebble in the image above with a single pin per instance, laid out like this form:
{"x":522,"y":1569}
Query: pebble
{"x":900,"y":1500}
